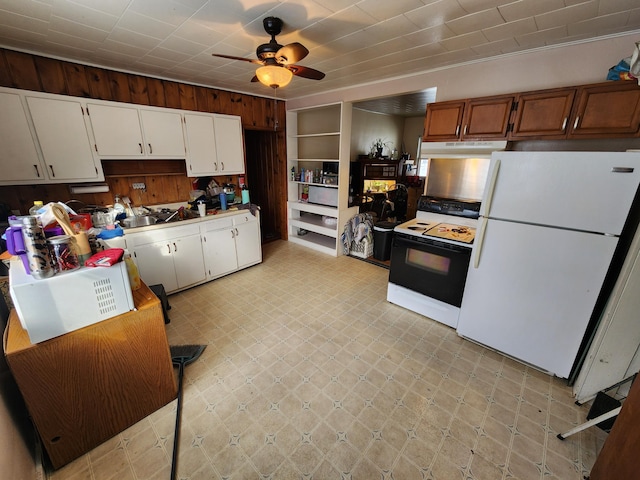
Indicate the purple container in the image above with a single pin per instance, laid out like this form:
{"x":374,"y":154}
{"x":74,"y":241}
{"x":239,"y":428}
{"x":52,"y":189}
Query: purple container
{"x":15,"y":245}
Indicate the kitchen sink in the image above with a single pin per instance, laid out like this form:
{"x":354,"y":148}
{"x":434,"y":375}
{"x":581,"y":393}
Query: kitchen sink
{"x":139,"y":221}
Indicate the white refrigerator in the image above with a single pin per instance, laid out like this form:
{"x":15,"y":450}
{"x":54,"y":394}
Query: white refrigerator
{"x":549,"y":226}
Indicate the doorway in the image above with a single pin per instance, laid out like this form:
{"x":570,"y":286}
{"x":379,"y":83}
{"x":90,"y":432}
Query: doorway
{"x":265,"y":181}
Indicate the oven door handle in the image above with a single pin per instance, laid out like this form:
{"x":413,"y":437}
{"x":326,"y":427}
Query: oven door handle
{"x":477,"y":251}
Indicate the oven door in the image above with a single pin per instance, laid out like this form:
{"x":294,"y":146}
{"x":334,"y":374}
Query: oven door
{"x":435,"y":269}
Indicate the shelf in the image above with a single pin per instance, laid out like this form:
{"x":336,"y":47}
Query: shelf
{"x":308,"y":135}
{"x":313,"y":208}
{"x":316,"y":184}
{"x":323,"y":160}
{"x":314,"y":223}
{"x":315,"y":241}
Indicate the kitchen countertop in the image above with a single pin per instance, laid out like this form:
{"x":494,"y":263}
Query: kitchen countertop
{"x":210,"y":216}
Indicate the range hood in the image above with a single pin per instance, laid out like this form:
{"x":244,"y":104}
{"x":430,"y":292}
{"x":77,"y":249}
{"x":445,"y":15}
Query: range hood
{"x":460,"y":149}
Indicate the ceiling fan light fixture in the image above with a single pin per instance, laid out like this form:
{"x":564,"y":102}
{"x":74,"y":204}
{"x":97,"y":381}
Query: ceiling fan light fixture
{"x":274,"y":76}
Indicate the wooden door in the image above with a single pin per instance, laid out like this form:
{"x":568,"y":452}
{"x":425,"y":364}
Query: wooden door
{"x":542,"y":114}
{"x":487,"y":118}
{"x":619,"y":458}
{"x":606,"y":110}
{"x":443,"y":121}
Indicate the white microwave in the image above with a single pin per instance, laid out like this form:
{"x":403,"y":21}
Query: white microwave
{"x":69,"y":300}
{"x":323,"y":195}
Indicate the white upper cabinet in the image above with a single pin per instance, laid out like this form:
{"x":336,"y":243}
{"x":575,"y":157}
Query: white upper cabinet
{"x":63,"y":138}
{"x":125,"y":131}
{"x":163,"y":133}
{"x":202,"y":159}
{"x":19,"y":159}
{"x":116,"y":130}
{"x":229,"y":144}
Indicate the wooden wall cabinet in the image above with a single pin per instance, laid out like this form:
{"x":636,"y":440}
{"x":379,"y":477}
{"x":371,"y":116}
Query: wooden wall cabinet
{"x":542,"y":114}
{"x":475,"y":119}
{"x":603,"y":110}
{"x":86,"y":386}
{"x":606,"y":110}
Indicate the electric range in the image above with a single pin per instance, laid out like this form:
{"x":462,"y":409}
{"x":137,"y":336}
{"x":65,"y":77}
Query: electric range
{"x":430,"y":257}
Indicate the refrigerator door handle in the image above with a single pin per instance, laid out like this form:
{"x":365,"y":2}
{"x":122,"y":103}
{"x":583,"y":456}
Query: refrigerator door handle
{"x":622,"y":170}
{"x":491,"y":185}
{"x":477,"y":251}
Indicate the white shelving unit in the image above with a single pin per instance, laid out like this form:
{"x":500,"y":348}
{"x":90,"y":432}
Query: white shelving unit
{"x":318,"y":139}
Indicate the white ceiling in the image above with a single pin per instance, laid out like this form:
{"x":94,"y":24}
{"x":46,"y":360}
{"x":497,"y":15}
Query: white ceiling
{"x":353,"y":42}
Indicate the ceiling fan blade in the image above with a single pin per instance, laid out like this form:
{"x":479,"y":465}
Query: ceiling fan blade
{"x":231,"y":57}
{"x":306,"y":72}
{"x":291,"y":53}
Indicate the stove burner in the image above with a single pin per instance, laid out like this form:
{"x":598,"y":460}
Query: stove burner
{"x":413,"y":227}
{"x":423,"y":223}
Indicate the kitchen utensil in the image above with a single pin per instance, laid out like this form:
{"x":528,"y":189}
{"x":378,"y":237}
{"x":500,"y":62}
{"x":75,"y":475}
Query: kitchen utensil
{"x":81,"y":240}
{"x":174,"y":214}
{"x":181,"y":356}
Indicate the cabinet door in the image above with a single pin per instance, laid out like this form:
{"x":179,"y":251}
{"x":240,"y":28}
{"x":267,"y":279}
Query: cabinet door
{"x":63,"y":138}
{"x":163,"y":133}
{"x":219,"y":252}
{"x":248,"y":243}
{"x":543,"y":114}
{"x":155,"y":263}
{"x":443,"y":121}
{"x":116,"y":130}
{"x":229,"y":143}
{"x":188,"y":261}
{"x":201,"y":142}
{"x":19,"y":159}
{"x":487,"y":118}
{"x":606,"y":110}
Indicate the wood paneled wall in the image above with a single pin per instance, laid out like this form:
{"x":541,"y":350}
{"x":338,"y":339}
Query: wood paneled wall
{"x":32,"y":72}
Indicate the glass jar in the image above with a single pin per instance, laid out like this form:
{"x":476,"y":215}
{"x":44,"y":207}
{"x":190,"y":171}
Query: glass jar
{"x":64,"y":253}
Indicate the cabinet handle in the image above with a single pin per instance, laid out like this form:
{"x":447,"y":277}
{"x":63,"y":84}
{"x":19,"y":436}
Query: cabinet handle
{"x":457,"y":130}
{"x":233,"y":234}
{"x":215,"y":165}
{"x":575,"y":124}
{"x":237,"y":233}
{"x":222,"y":165}
{"x":169,"y":248}
{"x":564,"y":123}
{"x":37,"y":170}
{"x":150,"y":150}
{"x":465,"y":130}
{"x":53,"y":174}
{"x":140,"y":145}
{"x":175,"y":247}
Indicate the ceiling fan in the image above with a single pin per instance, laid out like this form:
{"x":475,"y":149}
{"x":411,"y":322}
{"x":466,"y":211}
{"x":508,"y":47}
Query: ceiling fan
{"x":277,"y":61}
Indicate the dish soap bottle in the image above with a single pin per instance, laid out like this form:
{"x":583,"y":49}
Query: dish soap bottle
{"x":119,"y":208}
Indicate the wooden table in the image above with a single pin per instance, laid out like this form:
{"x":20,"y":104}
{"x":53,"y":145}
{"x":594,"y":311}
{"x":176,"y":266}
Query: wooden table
{"x":88,"y":385}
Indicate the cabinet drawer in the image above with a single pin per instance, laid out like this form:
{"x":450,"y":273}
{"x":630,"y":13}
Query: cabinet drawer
{"x":244,"y":218}
{"x":217,"y":224}
{"x":160,"y":234}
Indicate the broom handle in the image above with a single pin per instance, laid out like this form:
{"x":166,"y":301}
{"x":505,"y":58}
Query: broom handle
{"x":176,"y":439}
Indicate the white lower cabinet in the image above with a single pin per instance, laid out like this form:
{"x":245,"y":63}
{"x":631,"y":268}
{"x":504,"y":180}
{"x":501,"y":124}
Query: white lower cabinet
{"x":171,"y":256}
{"x":231,"y":243}
{"x":179,"y":256}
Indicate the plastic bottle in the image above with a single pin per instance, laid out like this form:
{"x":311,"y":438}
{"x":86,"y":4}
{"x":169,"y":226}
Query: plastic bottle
{"x":223,"y":201}
{"x":35,"y":243}
{"x":119,"y":208}
{"x":37,"y":205}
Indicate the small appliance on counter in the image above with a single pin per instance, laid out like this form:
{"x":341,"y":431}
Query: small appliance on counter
{"x":68,"y":301}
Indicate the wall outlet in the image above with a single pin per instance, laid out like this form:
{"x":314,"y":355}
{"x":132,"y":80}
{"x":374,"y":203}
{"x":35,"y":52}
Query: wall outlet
{"x":139,"y":186}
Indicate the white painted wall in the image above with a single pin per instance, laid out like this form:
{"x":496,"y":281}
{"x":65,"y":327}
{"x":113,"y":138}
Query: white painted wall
{"x":557,"y":66}
{"x":368,"y":126}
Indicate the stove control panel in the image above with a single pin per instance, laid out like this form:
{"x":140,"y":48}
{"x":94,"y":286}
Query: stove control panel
{"x":460,"y":208}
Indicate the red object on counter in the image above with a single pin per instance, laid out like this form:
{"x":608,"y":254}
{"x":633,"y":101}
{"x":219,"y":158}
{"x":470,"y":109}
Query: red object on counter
{"x":106,"y":258}
{"x":81,"y":222}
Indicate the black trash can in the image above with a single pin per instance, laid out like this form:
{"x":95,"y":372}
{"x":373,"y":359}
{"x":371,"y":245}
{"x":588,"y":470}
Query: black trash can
{"x":382,"y":237}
